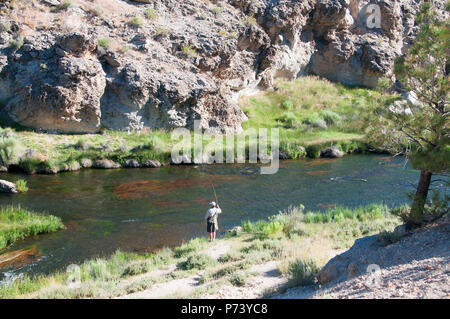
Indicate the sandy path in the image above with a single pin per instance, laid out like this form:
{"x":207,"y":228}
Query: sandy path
{"x":267,"y":277}
{"x":178,"y":286}
{"x":219,"y":249}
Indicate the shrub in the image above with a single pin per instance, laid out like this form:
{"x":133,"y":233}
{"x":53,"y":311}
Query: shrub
{"x":150,"y":13}
{"x":97,"y":11}
{"x":257,"y":245}
{"x":330,"y":117}
{"x":388,"y":237}
{"x":437,"y":204}
{"x":293,"y":150}
{"x":302,"y":273}
{"x":189,"y":51}
{"x":103,"y":43}
{"x":315,"y":120}
{"x":402,"y":212}
{"x":264,"y":229}
{"x":230,"y":257}
{"x":251,"y":20}
{"x":190,"y":247}
{"x":95,"y":269}
{"x":162,"y":257}
{"x":289,"y":119}
{"x":350,"y":146}
{"x":63,"y":5}
{"x":238,"y":279}
{"x":5,"y":26}
{"x":340,"y":214}
{"x":222,"y":272}
{"x":17,"y":43}
{"x":287,"y":105}
{"x":137,"y":22}
{"x":200,"y":261}
{"x":313,"y":151}
{"x":271,"y":229}
{"x":10,"y":151}
{"x":161,"y":31}
{"x":22,"y":186}
{"x":137,"y":268}
{"x":82,"y":144}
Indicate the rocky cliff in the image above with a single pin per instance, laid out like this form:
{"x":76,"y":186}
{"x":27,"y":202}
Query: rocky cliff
{"x":76,"y":66}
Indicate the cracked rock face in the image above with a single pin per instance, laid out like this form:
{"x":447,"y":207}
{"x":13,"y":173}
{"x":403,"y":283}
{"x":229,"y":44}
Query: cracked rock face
{"x":188,"y":60}
{"x":60,"y":94}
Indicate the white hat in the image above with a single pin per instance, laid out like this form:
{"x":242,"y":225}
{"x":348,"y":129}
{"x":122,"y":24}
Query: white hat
{"x":212,"y":204}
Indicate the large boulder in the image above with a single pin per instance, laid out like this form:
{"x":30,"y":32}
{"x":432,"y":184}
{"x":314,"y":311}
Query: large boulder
{"x":8,"y":187}
{"x":369,"y":253}
{"x":60,"y":94}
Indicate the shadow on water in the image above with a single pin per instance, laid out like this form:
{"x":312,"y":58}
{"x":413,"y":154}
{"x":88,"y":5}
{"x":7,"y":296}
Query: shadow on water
{"x":141,"y":210}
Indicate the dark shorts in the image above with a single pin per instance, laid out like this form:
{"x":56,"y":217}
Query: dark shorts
{"x":210,"y":227}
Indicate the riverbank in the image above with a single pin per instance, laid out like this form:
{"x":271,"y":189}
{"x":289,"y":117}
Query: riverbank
{"x":415,"y":265}
{"x":17,"y":223}
{"x":293,"y":244}
{"x":309,"y":120}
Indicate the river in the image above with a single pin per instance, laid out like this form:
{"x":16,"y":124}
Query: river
{"x":140,"y":210}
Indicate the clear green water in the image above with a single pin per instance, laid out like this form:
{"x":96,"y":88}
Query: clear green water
{"x":142,"y":210}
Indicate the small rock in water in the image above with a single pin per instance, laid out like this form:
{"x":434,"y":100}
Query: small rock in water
{"x":152,"y":164}
{"x":86,"y":163}
{"x":105,"y":164}
{"x":131,"y":163}
{"x":331,"y":152}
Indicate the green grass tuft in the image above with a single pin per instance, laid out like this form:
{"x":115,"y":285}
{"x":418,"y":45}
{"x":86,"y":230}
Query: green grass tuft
{"x":22,"y":186}
{"x":137,"y":22}
{"x":17,"y":223}
{"x":103,"y":43}
{"x":151,"y":13}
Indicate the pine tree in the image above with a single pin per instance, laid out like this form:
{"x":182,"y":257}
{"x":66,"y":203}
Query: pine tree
{"x":420,"y":129}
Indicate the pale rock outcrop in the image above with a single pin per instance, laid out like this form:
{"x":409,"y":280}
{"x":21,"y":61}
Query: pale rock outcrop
{"x":8,"y":187}
{"x":61,"y":94}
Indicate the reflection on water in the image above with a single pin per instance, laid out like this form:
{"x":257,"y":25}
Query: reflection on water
{"x":146,"y":209}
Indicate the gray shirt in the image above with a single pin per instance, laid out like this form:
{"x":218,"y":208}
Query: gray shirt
{"x":213,"y":213}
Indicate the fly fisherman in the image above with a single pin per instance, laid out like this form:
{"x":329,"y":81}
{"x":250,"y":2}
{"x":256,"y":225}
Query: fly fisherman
{"x":211,"y":219}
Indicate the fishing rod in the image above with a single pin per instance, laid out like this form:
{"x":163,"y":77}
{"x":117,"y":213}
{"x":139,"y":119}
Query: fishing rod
{"x":215,"y":195}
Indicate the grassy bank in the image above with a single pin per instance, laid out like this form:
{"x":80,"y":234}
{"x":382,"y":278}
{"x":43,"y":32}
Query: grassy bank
{"x":300,"y":242}
{"x":17,"y":223}
{"x":311,"y":114}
